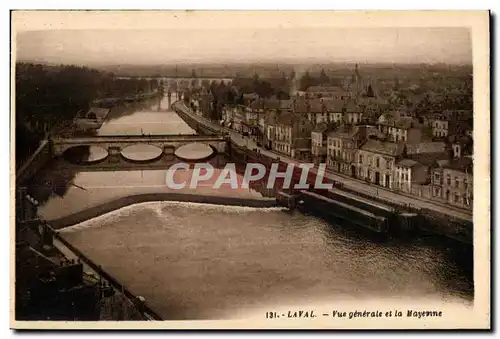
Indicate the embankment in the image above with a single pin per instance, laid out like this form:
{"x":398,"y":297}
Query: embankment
{"x":112,"y":205}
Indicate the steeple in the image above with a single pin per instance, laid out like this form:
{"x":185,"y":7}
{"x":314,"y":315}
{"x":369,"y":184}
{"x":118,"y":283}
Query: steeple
{"x":356,"y":73}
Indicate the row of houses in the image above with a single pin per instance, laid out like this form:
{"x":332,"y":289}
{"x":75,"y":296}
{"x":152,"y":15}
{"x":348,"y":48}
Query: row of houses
{"x":396,"y":150}
{"x":428,"y":156}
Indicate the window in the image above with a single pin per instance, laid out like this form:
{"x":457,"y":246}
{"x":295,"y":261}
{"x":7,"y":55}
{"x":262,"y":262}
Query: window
{"x":436,"y":192}
{"x":403,"y":138}
{"x":378,"y":162}
{"x":466,"y":185}
{"x":457,"y":184}
{"x":448,"y":180}
{"x":457,"y":198}
{"x":361,"y":158}
{"x":388,"y":165}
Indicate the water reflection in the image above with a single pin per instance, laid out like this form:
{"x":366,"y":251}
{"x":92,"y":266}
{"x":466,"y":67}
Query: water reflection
{"x":85,"y":154}
{"x":226,"y":260}
{"x":194,"y":151}
{"x":142,"y":153}
{"x":147,"y":119}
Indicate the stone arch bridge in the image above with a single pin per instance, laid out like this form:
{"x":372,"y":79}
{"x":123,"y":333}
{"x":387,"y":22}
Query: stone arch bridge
{"x":187,"y":82}
{"x":114,"y":144}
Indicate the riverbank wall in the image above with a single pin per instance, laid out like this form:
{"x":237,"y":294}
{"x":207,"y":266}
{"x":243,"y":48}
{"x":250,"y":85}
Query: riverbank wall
{"x":427,"y":221}
{"x":34,"y":163}
{"x":110,"y":206}
{"x":129,"y":304}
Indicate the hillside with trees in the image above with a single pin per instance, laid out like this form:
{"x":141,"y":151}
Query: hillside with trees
{"x":50,"y":96}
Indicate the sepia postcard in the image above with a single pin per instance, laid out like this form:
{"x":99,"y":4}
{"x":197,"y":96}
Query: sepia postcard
{"x":250,"y":170}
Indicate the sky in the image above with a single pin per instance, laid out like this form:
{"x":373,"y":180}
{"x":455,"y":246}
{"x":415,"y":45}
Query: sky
{"x":128,"y":44}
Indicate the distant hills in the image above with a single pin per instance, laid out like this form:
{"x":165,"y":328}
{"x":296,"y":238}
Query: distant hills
{"x":273,"y":69}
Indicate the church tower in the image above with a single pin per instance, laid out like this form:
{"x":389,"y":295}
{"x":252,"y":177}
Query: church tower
{"x":356,"y":85}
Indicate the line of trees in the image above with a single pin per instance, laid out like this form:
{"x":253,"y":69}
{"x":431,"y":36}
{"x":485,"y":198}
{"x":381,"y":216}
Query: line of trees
{"x":47,"y":96}
{"x":307,"y":80}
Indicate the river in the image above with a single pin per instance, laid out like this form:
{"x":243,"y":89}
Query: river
{"x":193,"y":261}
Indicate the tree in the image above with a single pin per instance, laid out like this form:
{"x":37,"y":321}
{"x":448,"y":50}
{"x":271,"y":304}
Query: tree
{"x":306,"y":81}
{"x":282,"y":95}
{"x":369,"y":92}
{"x":264,"y":89}
{"x":404,"y":153}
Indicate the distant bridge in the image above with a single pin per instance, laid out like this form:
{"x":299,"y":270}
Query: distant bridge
{"x":114,"y":144}
{"x":186,"y":82}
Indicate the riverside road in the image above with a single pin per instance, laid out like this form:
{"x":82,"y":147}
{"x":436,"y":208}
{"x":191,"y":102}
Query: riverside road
{"x":350,"y":183}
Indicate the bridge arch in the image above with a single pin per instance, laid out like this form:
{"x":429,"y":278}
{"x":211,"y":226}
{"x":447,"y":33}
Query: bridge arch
{"x":114,"y":145}
{"x":142,"y":153}
{"x":85,"y":154}
{"x":195,"y":152}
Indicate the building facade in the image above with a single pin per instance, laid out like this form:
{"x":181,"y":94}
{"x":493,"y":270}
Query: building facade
{"x":376,"y":162}
{"x":452,"y":182}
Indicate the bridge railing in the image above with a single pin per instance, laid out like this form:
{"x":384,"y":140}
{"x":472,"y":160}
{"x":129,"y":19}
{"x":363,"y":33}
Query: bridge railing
{"x":145,"y":311}
{"x":169,"y":137}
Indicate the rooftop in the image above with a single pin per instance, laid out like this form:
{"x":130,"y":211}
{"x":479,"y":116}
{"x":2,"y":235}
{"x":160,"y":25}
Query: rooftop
{"x":330,"y":89}
{"x":382,"y":147}
{"x":286,"y":104}
{"x":324,"y":128}
{"x":408,"y":163}
{"x":334,"y":105}
{"x":316,"y":106}
{"x":286,"y":119}
{"x":464,"y":164}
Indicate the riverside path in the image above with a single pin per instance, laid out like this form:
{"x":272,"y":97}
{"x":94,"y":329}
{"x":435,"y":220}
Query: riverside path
{"x":349,"y":183}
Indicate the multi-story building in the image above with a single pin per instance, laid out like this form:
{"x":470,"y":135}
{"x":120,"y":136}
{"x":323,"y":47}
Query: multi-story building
{"x":439,"y":128}
{"x":409,"y":173}
{"x":334,"y":110}
{"x":343,"y":145}
{"x":317,"y":112}
{"x":456,"y":115}
{"x":401,"y":128}
{"x":387,"y":119}
{"x":331,"y":92}
{"x":286,"y":106}
{"x":353,"y":113}
{"x":319,"y":142}
{"x":270,"y":129}
{"x":452,"y":182}
{"x":373,"y":107}
{"x":376,"y":161}
{"x":254,"y":111}
{"x":443,"y":127}
{"x":293,"y":136}
{"x":311,"y":109}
